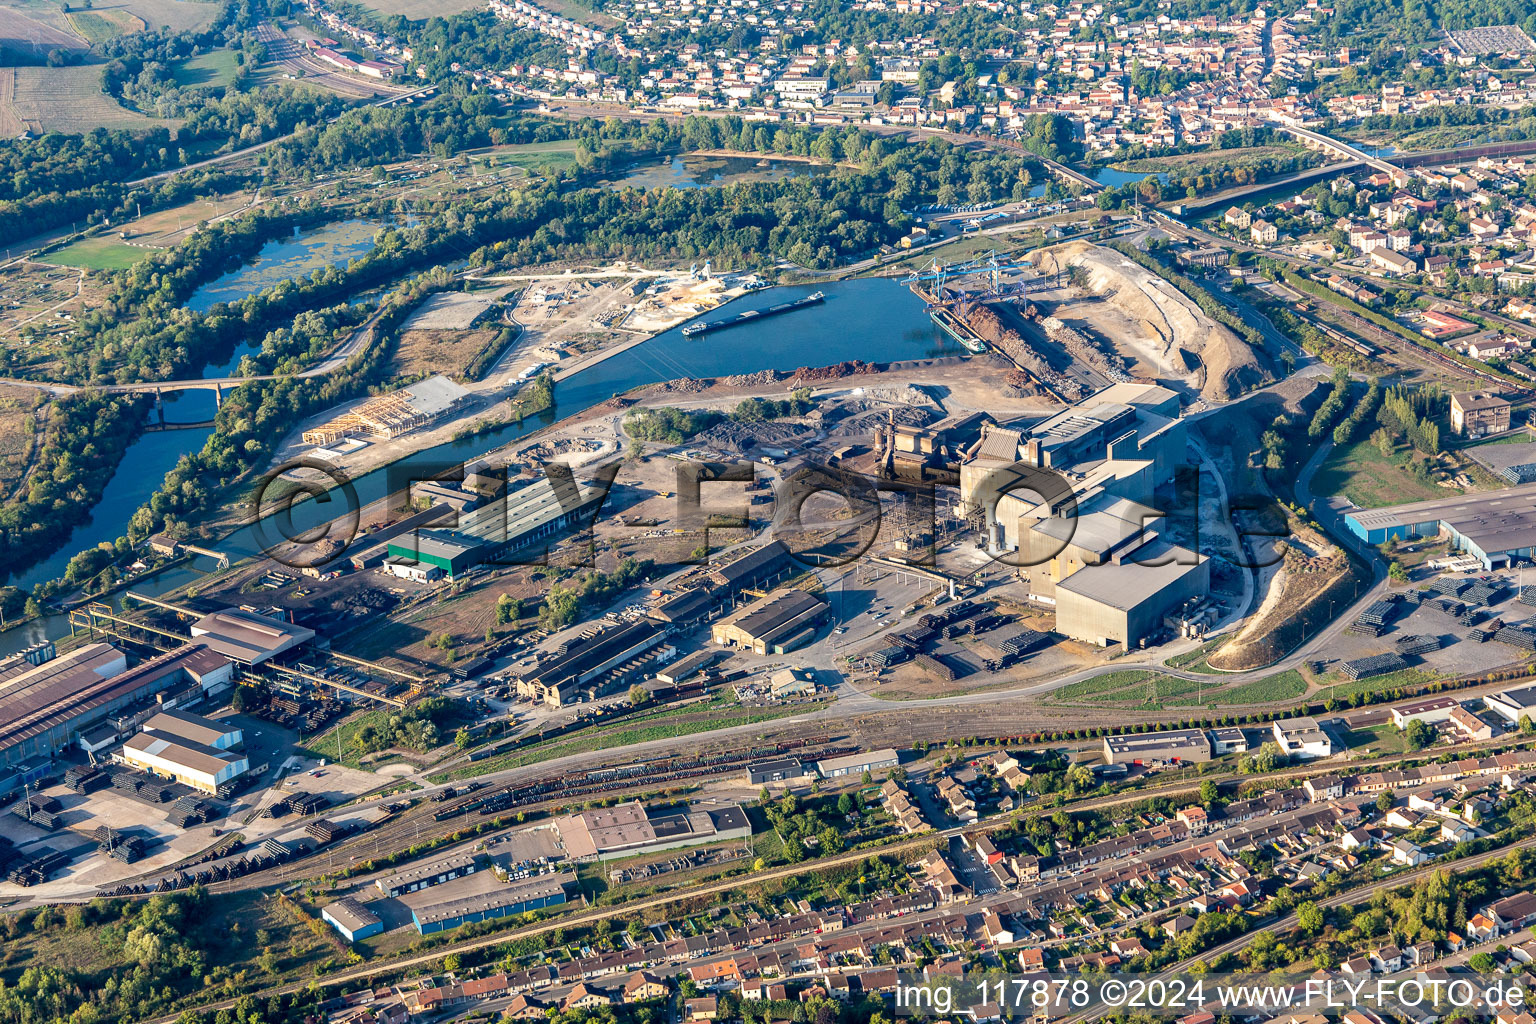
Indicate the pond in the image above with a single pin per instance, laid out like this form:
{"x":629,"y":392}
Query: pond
{"x":281,"y":260}
{"x":694,"y":170}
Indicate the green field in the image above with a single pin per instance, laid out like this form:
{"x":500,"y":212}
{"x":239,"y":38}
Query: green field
{"x":559,"y":154}
{"x":1280,"y":686}
{"x":416,"y":10}
{"x":97,"y":254}
{"x":1107,"y":683}
{"x":215,"y":68}
{"x":1371,"y":480}
{"x":1343,"y":688}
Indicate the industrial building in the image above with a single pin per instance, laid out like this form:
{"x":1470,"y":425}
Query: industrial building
{"x":248,"y":637}
{"x":775,"y":624}
{"x":686,"y":667}
{"x":1513,"y":703}
{"x":1478,"y":413}
{"x":541,"y":510}
{"x":759,"y":569}
{"x":631,"y":829}
{"x":210,"y":732}
{"x":45,"y":706}
{"x":790,"y":683}
{"x":1071,"y":499}
{"x":1124,"y":602}
{"x":858,"y":764}
{"x":1303,"y":739}
{"x":1496,"y":527}
{"x":393,"y":414}
{"x":778,"y":769}
{"x":352,"y":919}
{"x":192,"y":764}
{"x":194,"y":751}
{"x":427,"y":555}
{"x":1229,"y":740}
{"x":1176,"y":745}
{"x":1431,"y":712}
{"x":484,"y":897}
{"x":591,"y":666}
{"x":427,"y":875}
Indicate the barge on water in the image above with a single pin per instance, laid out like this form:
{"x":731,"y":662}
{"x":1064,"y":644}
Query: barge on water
{"x":750,"y":315}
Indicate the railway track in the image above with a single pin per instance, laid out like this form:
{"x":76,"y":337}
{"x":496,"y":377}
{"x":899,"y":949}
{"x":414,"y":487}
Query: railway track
{"x":436,"y":820}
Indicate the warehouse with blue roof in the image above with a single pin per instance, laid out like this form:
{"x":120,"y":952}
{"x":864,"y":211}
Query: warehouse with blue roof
{"x":1496,"y":527}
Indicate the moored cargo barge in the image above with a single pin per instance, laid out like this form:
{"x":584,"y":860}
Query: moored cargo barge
{"x":751,"y":315}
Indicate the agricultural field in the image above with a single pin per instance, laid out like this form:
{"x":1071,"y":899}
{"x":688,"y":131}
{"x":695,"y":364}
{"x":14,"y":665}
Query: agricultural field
{"x":29,"y":29}
{"x":177,"y":15}
{"x":100,"y":253}
{"x":68,"y":99}
{"x":99,"y":26}
{"x":10,"y":124}
{"x":213,"y":69}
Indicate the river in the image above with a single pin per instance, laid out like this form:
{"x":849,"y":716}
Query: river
{"x":1107,"y":175}
{"x":873,"y":319}
{"x":155,"y":453}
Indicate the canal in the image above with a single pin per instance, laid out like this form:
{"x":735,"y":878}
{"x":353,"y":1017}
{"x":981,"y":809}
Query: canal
{"x":873,"y":319}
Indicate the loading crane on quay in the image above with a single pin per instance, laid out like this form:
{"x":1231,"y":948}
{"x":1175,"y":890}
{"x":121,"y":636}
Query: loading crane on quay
{"x":993,"y":265}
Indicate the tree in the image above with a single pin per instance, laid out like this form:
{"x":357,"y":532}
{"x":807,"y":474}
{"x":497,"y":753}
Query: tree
{"x":1384,"y":801}
{"x":560,"y":607}
{"x":506,"y":610}
{"x":1418,"y":734}
{"x":1310,"y":917}
{"x":461,"y":739}
{"x":638,"y":695}
{"x":845,"y":804}
{"x":1527,"y":727}
{"x":1209,"y":792}
{"x":1079,"y":778}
